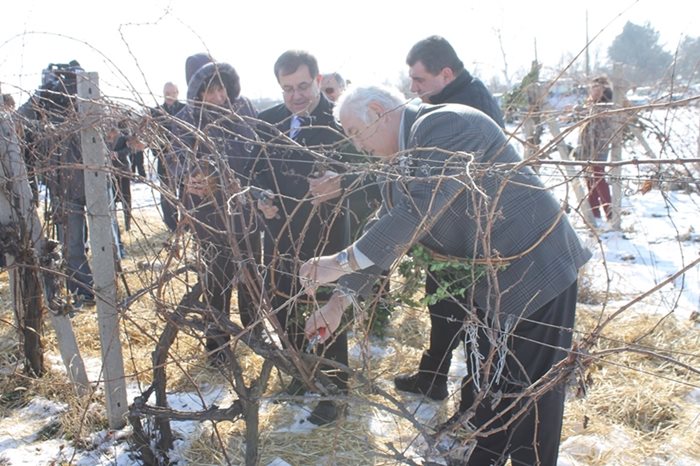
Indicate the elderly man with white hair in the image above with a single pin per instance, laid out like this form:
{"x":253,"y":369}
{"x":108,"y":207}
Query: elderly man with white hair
{"x":454,"y":185}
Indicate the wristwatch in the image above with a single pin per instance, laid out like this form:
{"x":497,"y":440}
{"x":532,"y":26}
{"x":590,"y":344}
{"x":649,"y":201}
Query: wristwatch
{"x":343,"y":261}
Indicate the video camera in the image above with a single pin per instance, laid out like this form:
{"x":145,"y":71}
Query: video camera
{"x":59,"y":85}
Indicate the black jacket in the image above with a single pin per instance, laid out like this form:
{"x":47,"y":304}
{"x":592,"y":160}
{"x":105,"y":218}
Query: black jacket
{"x":163,"y":116}
{"x":311,"y":231}
{"x":56,"y":143}
{"x":468,"y":90}
{"x":163,"y":110}
{"x":221,"y":144}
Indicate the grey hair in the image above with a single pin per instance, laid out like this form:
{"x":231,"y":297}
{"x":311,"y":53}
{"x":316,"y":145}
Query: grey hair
{"x":338,"y":78}
{"x":356,"y":99}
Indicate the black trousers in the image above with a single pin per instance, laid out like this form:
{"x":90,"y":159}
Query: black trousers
{"x":124,"y":196}
{"x":291,"y":318}
{"x":221,"y":268}
{"x":227,"y":244}
{"x":446,"y":320}
{"x":533,"y":346}
{"x":167,"y":207}
{"x":137,"y":163}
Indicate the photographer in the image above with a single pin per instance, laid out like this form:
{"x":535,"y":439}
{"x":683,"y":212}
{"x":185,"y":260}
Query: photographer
{"x":53,"y":110}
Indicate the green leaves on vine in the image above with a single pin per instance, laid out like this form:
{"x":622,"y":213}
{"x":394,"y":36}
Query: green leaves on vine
{"x":454,"y":277}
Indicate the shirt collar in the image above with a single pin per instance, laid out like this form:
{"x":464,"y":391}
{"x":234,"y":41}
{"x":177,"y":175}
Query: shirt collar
{"x":402,"y":132}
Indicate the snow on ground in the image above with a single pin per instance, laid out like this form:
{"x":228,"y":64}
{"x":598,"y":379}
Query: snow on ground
{"x":652,"y":246}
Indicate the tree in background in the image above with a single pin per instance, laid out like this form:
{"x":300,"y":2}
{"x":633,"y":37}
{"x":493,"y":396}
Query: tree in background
{"x":638,"y":49}
{"x":688,"y":60}
{"x":519,"y":99}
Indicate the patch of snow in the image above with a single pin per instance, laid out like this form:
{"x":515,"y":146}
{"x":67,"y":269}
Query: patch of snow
{"x":694,"y":396}
{"x":357,"y":350}
{"x":278,"y":462}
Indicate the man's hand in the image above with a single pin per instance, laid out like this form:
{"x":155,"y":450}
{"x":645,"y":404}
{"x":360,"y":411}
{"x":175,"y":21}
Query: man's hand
{"x":135,"y":144}
{"x":325,"y":187}
{"x":319,"y":271}
{"x":267,"y":206}
{"x":326,"y":320}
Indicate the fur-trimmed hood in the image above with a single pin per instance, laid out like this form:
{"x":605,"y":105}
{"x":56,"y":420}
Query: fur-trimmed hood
{"x":199,"y":73}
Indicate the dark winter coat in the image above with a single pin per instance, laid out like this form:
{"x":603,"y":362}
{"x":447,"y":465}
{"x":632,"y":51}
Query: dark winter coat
{"x":163,"y":116}
{"x":57,"y":144}
{"x":468,"y":90}
{"x":222,"y":145}
{"x":163,"y":113}
{"x":302,"y":230}
{"x":67,"y":158}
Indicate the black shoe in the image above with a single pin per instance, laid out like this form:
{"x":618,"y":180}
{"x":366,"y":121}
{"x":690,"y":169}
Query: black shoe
{"x":325,"y":412}
{"x":81,"y":300}
{"x":422,"y":383}
{"x":452,"y":424}
{"x":89,"y":301}
{"x":295,"y":388}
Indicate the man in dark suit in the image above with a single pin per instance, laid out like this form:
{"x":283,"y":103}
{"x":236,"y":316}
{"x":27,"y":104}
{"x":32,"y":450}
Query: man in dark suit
{"x":455,"y":186}
{"x":306,"y":225}
{"x":164,"y":114}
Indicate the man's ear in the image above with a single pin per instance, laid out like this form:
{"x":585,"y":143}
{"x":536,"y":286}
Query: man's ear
{"x":377,"y":109}
{"x":447,"y":74}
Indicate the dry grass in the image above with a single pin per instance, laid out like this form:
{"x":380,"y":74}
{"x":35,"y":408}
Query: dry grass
{"x":637,"y":396}
{"x":634,"y":400}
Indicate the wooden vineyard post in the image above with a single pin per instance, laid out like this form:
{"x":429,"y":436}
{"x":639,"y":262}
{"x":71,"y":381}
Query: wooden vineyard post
{"x":571,"y":172}
{"x":17,"y":208}
{"x":615,"y":179}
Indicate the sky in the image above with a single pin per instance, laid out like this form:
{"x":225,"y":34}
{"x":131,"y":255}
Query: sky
{"x":137,"y":45}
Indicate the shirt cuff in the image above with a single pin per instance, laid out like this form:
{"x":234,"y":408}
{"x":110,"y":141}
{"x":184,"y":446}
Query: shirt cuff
{"x":362,"y":260}
{"x":360,"y":283}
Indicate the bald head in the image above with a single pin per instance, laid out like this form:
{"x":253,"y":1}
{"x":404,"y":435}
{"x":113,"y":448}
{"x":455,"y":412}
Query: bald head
{"x":170,"y":92}
{"x":8,"y":101}
{"x":332,"y":85}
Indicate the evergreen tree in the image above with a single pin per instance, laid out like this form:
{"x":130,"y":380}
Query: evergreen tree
{"x":638,"y":49}
{"x":688,"y":61}
{"x":519,"y":98}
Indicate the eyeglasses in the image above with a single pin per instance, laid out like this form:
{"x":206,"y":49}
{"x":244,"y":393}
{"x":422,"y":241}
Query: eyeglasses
{"x":302,"y":88}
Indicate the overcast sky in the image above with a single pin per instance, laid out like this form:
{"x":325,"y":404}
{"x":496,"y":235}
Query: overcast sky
{"x":138,"y":45}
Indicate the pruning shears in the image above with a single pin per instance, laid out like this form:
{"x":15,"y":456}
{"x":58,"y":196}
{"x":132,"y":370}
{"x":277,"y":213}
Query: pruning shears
{"x":316,"y":339}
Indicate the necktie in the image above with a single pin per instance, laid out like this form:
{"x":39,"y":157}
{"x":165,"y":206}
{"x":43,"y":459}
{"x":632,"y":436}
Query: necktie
{"x":295,"y":126}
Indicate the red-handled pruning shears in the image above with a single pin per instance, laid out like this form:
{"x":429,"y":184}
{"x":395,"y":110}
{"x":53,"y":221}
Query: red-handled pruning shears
{"x":316,"y":339}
